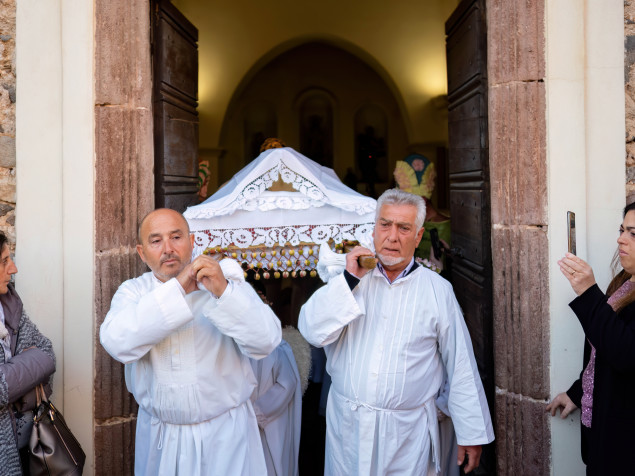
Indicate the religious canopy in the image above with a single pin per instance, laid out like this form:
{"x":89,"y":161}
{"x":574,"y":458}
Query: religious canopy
{"x":273,"y":215}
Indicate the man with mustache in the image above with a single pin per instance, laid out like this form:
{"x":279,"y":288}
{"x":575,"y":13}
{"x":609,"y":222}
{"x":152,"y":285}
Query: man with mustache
{"x":186,"y":333}
{"x":390,"y":336}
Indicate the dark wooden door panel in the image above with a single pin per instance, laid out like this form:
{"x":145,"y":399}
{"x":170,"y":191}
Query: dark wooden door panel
{"x":464,"y":53}
{"x":474,"y":302}
{"x":180,"y":141}
{"x":466,"y":210}
{"x":180,"y":66}
{"x":467,"y":128}
{"x":469,"y":188}
{"x":465,"y":159}
{"x":174,"y":99}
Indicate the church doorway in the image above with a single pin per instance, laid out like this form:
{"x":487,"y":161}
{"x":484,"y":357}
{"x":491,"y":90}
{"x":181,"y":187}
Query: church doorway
{"x":329,"y":99}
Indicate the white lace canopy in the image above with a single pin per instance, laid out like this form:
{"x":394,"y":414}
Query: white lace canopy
{"x":243,"y":213}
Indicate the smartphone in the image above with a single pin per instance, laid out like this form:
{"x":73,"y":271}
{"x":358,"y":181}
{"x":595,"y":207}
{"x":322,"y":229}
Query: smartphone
{"x":571,"y":232}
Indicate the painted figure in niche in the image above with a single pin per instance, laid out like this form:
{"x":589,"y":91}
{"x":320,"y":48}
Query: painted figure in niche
{"x":203,"y":179}
{"x":350,"y":179}
{"x":254,"y":144}
{"x":316,"y":139}
{"x":370,"y":149}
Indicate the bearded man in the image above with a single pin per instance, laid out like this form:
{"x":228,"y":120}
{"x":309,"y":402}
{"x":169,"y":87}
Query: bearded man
{"x":389,"y":336}
{"x":186,"y":333}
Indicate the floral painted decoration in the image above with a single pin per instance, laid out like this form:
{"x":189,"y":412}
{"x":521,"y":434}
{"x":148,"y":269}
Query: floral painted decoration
{"x":428,"y":264}
{"x":416,"y":174}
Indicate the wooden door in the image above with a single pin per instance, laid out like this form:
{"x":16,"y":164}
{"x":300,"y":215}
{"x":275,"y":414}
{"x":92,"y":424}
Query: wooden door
{"x":469,"y":186}
{"x":174,"y":102}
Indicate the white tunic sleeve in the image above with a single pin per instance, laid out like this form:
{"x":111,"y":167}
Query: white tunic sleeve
{"x":138,"y":320}
{"x":275,"y":400}
{"x":240,"y":314}
{"x":328,"y":311}
{"x":466,"y":402}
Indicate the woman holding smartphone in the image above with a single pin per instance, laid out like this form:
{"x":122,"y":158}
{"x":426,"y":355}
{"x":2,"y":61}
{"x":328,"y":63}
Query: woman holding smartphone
{"x":605,"y":391}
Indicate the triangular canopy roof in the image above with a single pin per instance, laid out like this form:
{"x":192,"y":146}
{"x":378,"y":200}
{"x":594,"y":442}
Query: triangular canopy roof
{"x":245,"y":213}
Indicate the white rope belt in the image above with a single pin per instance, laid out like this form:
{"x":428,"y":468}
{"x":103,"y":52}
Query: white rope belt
{"x":431,"y":413}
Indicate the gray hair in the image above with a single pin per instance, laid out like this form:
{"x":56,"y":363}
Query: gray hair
{"x":394,"y":196}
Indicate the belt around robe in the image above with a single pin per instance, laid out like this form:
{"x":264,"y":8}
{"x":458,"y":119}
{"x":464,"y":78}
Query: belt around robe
{"x":431,"y":413}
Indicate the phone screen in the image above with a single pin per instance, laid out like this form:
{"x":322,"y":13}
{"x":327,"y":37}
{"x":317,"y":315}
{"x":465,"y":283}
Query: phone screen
{"x":571,"y":232}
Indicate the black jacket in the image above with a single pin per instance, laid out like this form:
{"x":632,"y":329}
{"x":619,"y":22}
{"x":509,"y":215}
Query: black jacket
{"x":608,"y":445}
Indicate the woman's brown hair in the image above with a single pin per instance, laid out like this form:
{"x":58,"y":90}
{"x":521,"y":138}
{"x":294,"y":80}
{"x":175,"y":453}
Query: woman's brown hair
{"x":622,"y":276}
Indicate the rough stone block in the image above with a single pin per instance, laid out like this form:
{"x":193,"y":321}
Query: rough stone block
{"x":7,"y":185}
{"x":112,"y":269}
{"x":629,"y":17}
{"x":7,"y":111}
{"x":115,"y":448}
{"x":7,"y":19}
{"x":521,"y":310}
{"x":111,"y":395}
{"x":516,"y":44}
{"x":517,"y":144}
{"x":7,"y":151}
{"x":523,"y":439}
{"x":124,"y":178}
{"x":122,"y":56}
{"x":112,"y":398}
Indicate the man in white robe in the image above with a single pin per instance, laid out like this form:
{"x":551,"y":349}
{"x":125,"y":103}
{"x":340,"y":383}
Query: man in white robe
{"x":277,"y":401}
{"x":186,"y":334}
{"x":388,"y":336}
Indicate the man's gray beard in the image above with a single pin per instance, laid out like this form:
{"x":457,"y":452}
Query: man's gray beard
{"x":390,"y":260}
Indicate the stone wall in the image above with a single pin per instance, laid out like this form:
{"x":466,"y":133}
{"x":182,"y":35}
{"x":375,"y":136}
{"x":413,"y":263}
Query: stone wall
{"x":7,"y":118}
{"x":517,"y":144}
{"x":629,"y":85}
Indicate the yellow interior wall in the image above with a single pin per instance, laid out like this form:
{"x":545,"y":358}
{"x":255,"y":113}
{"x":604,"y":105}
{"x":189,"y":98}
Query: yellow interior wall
{"x":406,"y":39}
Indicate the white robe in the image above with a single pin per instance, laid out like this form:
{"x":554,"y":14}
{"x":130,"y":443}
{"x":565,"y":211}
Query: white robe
{"x":448,"y":451}
{"x":187,"y":366}
{"x":277,"y":401}
{"x":387,"y":345}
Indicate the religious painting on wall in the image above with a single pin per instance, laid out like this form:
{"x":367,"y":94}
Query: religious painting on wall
{"x":371,"y":150}
{"x":260,"y":122}
{"x":316,"y":128}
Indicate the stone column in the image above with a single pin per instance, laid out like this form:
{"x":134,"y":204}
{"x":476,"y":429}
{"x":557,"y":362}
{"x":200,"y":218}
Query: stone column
{"x":124,"y":194}
{"x":517,"y":135}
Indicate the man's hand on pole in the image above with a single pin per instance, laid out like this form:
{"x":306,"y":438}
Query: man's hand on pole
{"x":352,"y":266}
{"x":207,"y":271}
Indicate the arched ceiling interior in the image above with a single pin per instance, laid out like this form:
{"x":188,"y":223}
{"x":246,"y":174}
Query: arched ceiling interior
{"x":318,"y":83}
{"x":403,"y":41}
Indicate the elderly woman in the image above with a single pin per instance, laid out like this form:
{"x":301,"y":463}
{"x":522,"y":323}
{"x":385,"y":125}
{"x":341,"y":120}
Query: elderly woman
{"x":26,"y":360}
{"x":606,"y":387}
